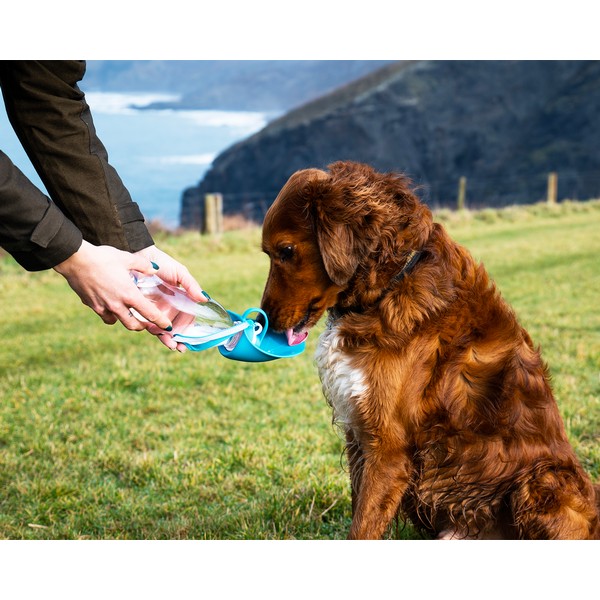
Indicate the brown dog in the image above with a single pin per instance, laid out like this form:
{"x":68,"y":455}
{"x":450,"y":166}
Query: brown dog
{"x":446,"y":405}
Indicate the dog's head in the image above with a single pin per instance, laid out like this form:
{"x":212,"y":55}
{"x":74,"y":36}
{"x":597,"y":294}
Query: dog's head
{"x":336,"y":236}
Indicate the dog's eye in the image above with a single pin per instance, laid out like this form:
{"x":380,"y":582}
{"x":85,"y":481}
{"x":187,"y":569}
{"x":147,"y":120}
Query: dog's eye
{"x":286,"y":253}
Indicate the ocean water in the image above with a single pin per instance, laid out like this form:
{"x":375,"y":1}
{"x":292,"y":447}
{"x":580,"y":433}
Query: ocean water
{"x":157,"y":153}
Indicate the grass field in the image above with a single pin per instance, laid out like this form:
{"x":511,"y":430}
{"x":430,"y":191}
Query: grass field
{"x":105,"y":434}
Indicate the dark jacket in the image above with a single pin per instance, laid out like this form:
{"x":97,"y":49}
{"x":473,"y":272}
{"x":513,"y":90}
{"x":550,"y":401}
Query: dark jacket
{"x":50,"y":116}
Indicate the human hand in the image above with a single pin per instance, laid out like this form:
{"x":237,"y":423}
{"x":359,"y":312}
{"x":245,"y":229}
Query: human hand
{"x":173,"y":272}
{"x":101,"y":277}
{"x":176,"y":274}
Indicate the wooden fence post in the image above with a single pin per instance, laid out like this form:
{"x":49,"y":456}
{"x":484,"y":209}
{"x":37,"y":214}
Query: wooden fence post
{"x":219,"y":203}
{"x":552,"y":188}
{"x":213,"y":214}
{"x":462,"y":193}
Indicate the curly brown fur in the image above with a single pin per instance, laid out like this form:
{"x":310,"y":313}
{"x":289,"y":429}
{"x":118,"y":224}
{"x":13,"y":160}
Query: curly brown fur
{"x":446,"y":405}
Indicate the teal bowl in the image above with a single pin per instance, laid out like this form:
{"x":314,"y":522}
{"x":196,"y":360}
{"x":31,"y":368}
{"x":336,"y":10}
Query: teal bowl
{"x":257,"y":343}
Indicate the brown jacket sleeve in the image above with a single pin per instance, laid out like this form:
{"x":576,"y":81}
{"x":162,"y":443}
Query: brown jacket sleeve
{"x":53,"y":122}
{"x":32,"y":228}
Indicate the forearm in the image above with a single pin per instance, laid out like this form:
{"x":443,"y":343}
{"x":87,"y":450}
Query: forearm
{"x":53,"y":122}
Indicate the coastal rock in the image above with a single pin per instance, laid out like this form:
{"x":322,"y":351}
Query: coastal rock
{"x":504,"y":125}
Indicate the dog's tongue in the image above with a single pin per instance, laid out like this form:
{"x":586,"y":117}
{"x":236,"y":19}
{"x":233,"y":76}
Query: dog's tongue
{"x":294,"y":338}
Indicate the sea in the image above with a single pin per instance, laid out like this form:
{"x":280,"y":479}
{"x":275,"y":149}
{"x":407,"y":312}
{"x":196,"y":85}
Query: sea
{"x":157,"y":153}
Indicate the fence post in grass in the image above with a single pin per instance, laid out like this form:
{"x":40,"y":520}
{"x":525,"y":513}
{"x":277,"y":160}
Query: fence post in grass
{"x":462,"y":193}
{"x":552,"y":188}
{"x":219,"y":203}
{"x":213,"y":214}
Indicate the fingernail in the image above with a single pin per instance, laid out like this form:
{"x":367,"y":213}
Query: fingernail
{"x":205,"y":295}
{"x":154,"y":265}
{"x":169,"y":328}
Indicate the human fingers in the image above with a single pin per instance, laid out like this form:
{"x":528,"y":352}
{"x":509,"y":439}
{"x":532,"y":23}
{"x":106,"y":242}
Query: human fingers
{"x":189,"y":284}
{"x":108,"y":318}
{"x":173,"y":272}
{"x":166,"y":339}
{"x":180,"y":323}
{"x":130,"y":321}
{"x":143,"y":265}
{"x":147,"y":310}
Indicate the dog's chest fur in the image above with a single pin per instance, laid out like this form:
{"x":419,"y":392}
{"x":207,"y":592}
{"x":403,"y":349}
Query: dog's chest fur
{"x":344,"y":386}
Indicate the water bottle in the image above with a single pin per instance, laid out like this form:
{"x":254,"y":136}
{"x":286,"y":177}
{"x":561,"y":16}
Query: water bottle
{"x":200,"y":318}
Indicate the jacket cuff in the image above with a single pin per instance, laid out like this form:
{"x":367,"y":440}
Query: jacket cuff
{"x":136,"y":232}
{"x":53,"y":240}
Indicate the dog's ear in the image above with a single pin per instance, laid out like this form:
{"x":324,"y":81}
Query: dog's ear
{"x":335,"y":222}
{"x":362,"y":215}
{"x":337,"y":245}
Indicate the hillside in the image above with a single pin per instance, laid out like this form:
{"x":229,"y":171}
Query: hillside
{"x":254,"y":85}
{"x":502,"y":124}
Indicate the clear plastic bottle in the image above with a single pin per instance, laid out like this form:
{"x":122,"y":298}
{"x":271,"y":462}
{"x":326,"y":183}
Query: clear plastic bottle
{"x":198,"y":318}
{"x":203,"y":325}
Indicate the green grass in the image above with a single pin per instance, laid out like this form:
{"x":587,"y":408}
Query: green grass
{"x":106,"y":434}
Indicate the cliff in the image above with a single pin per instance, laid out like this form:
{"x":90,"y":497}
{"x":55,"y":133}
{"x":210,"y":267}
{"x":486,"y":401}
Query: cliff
{"x":502,"y":124}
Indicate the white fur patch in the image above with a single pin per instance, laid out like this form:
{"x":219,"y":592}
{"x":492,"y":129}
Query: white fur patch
{"x":344,"y":386}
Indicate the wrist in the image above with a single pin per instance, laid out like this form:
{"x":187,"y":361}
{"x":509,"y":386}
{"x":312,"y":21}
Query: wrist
{"x":74,"y":261}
